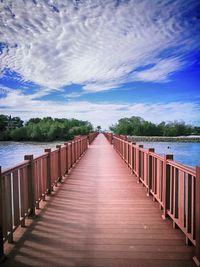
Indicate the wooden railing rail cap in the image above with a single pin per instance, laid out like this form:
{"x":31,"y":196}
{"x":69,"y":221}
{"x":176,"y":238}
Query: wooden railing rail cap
{"x":18,"y":166}
{"x":41,"y":156}
{"x":157,"y":156}
{"x":182,"y":167}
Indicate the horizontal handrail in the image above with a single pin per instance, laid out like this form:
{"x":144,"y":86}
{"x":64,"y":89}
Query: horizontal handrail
{"x":41,"y":156}
{"x":18,"y":166}
{"x":182,"y":167}
{"x":175,"y":186}
{"x":153,"y":154}
{"x":23,"y":186}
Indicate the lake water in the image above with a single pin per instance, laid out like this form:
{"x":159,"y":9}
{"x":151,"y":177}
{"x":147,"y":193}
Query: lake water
{"x":12,"y":153}
{"x":185,"y":153}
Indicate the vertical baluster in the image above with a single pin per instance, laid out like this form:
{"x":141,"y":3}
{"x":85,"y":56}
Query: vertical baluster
{"x":82,"y":143}
{"x":75,"y":156}
{"x":31,"y":193}
{"x":123,"y":150}
{"x":71,"y":155}
{"x":193,"y":207}
{"x":9,"y":206}
{"x":111,"y":138}
{"x":149,"y":172}
{"x":36,"y":183}
{"x":16,"y":198}
{"x":75,"y":141}
{"x":166,"y":184}
{"x":139,"y":163}
{"x":67,"y":160}
{"x":128,"y":156}
{"x":72,"y":152}
{"x":181,"y":193}
{"x":59,"y":163}
{"x":78,"y":149}
{"x":48,"y":183}
{"x":132,"y":157}
{"x":176,"y":195}
{"x":79,"y":142}
{"x":188,"y":207}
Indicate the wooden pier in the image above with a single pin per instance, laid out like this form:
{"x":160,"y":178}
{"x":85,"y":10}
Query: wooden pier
{"x":98,"y":215}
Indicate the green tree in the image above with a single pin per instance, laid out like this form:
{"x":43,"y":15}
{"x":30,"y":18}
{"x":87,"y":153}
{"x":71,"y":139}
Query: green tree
{"x":98,"y":129}
{"x":33,"y":120}
{"x":17,"y":122}
{"x":3,"y":122}
{"x":19,"y":134}
{"x":196,"y":130}
{"x":138,"y":126}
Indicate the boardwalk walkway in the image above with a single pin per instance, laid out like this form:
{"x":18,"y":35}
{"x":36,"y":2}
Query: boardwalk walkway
{"x":100,"y":216}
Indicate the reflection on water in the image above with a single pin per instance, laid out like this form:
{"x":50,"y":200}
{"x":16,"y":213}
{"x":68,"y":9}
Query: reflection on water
{"x":12,"y":153}
{"x":185,"y":153}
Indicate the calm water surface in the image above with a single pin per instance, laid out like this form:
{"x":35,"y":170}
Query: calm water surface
{"x":12,"y":153}
{"x":185,"y":153}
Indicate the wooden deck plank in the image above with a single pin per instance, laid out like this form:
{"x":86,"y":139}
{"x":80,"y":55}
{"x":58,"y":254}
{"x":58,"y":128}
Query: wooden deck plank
{"x":100,"y":217}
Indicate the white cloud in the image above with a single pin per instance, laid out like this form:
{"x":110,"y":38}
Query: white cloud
{"x":159,"y":72}
{"x":4,"y":90}
{"x":94,"y":43}
{"x":104,"y":114}
{"x":102,"y":86}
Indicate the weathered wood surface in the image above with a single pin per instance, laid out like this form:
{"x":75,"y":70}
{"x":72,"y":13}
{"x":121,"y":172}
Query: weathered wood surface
{"x":100,"y":216}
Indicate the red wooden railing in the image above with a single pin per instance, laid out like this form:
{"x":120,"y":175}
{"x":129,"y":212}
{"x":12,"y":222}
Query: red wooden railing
{"x":25,"y":185}
{"x":92,"y":136}
{"x":174,"y":186}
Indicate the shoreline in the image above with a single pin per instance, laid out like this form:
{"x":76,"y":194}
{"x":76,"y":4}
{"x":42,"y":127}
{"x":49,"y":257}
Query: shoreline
{"x":181,"y":139}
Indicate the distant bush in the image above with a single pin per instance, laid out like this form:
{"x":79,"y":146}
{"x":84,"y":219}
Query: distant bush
{"x":140,"y":127}
{"x":46,"y":129}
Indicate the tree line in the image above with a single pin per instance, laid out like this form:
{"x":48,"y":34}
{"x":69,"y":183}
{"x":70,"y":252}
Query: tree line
{"x":140,"y":127}
{"x":45,"y":129}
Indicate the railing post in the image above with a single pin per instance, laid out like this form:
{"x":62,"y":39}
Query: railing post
{"x":132,"y":157}
{"x":80,"y":142}
{"x":82,"y":146}
{"x":59,"y":163}
{"x":149,"y":172}
{"x":129,"y":154}
{"x":48,"y":150}
{"x":79,"y":148}
{"x":196,"y":258}
{"x":166,"y":185}
{"x":72,"y":154}
{"x":111,"y":138}
{"x":75,"y":150}
{"x":67,"y":163}
{"x":31,"y":189}
{"x":2,"y":255}
{"x":86,"y":145}
{"x":89,"y":138}
{"x":139,"y":163}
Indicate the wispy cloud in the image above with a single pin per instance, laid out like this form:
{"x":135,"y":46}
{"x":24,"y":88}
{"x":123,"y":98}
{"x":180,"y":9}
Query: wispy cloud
{"x":4,"y":90}
{"x":99,"y":44}
{"x":160,"y":72}
{"x":18,"y":104}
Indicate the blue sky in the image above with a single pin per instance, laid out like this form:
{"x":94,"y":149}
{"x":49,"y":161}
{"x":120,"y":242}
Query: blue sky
{"x":100,"y":60}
